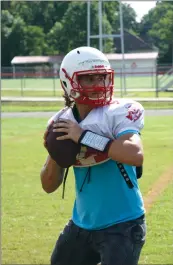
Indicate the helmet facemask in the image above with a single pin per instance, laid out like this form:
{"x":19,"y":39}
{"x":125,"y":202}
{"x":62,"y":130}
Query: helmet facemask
{"x":94,"y":95}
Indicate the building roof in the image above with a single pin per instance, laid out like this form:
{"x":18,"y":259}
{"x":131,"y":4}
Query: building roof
{"x":59,"y":58}
{"x":132,"y":56}
{"x":133,"y":43}
{"x":36,"y":59}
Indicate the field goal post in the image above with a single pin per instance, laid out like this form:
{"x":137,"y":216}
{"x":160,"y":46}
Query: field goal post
{"x":102,"y":36}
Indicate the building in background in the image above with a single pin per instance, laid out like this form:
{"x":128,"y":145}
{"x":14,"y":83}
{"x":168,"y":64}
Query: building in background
{"x":140,"y":58}
{"x":136,"y":64}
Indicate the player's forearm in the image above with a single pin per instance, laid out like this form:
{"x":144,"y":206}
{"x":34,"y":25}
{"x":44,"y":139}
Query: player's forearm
{"x":51,"y":175}
{"x":126,"y":151}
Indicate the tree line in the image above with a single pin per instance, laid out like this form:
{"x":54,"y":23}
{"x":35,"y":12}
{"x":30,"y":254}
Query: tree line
{"x":54,"y":27}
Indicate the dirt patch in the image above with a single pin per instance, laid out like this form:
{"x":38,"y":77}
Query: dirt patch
{"x":159,"y":186}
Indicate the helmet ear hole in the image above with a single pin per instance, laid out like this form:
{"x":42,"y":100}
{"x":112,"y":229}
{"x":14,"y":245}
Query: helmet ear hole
{"x":64,"y":83}
{"x":74,"y":94}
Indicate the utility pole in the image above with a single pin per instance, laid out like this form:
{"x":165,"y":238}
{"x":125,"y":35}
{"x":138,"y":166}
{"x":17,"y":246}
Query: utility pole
{"x":88,"y":23}
{"x":122,"y":46}
{"x":100,"y":25}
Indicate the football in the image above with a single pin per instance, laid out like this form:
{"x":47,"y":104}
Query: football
{"x":64,"y":152}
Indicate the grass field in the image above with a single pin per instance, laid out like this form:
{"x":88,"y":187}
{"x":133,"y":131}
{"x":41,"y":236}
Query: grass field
{"x":53,"y":106}
{"x":50,"y":83}
{"x":58,"y":93}
{"x":50,"y":88}
{"x":46,"y":88}
{"x":32,"y":219}
{"x":159,"y":245}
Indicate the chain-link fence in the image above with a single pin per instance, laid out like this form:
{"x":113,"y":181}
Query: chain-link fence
{"x":44,"y":81}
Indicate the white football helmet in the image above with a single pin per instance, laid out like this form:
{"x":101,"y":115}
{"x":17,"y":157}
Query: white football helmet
{"x":87,"y":61}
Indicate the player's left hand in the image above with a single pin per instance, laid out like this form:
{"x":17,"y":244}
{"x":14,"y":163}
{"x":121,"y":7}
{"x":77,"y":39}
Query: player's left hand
{"x":72,"y":129}
{"x":46,"y":134}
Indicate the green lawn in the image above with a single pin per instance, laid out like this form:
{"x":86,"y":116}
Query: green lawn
{"x":159,"y":245}
{"x":50,"y":83}
{"x":59,"y":93}
{"x":50,"y":88}
{"x":54,"y":106}
{"x":32,"y":219}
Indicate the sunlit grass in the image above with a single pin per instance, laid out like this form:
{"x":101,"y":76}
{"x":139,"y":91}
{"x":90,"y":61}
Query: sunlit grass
{"x":32,"y":219}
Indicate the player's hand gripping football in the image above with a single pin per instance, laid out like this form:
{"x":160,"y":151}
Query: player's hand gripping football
{"x":72,"y":129}
{"x":46,"y":134}
{"x":44,"y":138}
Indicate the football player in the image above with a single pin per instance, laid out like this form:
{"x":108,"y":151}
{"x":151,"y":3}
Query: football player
{"x":108,"y":218}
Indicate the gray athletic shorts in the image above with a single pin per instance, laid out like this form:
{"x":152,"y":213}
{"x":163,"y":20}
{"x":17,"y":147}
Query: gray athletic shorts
{"x":119,"y":244}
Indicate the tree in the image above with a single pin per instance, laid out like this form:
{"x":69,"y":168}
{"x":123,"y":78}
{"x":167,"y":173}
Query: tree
{"x":74,"y":27}
{"x":129,"y":18}
{"x":6,"y":28}
{"x":157,"y":27}
{"x":40,"y":13}
{"x":34,"y":39}
{"x":5,"y":5}
{"x":56,"y":27}
{"x":6,"y":20}
{"x":12,"y":31}
{"x":54,"y":37}
{"x":111,"y":9}
{"x":19,"y":39}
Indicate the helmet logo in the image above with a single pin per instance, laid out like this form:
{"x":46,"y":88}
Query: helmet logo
{"x":98,"y":66}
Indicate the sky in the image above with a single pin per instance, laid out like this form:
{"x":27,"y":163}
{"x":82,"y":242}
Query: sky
{"x":141,"y":7}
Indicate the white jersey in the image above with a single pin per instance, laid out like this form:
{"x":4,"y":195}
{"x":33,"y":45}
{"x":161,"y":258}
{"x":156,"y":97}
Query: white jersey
{"x":120,"y":117}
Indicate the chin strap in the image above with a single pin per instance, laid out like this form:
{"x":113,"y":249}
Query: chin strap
{"x":125,"y":175}
{"x":64,"y":181}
